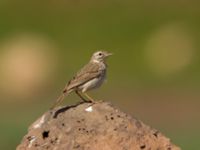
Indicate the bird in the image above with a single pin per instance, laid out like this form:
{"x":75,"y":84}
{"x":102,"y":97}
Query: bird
{"x":90,"y":77}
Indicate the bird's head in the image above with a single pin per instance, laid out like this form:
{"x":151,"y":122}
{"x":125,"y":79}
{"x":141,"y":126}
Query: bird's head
{"x":100,"y":56}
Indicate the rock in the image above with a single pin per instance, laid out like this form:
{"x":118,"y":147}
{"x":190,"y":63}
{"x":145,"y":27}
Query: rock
{"x":87,"y":126}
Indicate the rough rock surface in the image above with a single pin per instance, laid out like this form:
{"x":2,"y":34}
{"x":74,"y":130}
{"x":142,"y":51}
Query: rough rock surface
{"x":89,"y":126}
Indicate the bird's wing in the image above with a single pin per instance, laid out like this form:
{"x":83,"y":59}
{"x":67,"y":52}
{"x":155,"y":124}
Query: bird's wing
{"x":87,"y":73}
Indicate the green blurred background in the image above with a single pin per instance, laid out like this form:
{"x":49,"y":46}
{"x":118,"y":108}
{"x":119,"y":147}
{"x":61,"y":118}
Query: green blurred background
{"x":153,"y":75}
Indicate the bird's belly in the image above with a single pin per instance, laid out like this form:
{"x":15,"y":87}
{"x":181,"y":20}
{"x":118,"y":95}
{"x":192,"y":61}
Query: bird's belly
{"x":92,"y":84}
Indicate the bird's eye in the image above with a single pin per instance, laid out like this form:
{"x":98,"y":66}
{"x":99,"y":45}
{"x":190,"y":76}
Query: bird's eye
{"x":100,"y":54}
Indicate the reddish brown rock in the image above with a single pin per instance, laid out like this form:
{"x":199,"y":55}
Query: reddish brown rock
{"x":92,"y":127}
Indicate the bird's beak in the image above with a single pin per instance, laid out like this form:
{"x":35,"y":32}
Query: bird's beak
{"x":108,"y":54}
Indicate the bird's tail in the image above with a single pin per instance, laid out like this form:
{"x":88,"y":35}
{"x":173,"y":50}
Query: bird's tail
{"x":59,"y":99}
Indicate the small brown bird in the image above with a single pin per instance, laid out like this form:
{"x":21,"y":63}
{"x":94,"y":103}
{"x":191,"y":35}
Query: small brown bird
{"x":91,"y":76}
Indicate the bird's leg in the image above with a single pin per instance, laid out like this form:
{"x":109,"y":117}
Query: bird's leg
{"x":81,"y":96}
{"x":89,"y":97}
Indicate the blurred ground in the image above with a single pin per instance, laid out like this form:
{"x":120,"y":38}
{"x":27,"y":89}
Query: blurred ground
{"x":155,"y":67}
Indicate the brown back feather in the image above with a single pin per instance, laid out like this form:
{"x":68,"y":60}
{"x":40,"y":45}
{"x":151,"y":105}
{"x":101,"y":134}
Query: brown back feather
{"x":87,"y":73}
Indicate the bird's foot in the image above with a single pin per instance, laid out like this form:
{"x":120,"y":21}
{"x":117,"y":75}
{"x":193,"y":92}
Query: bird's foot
{"x":96,"y":101}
